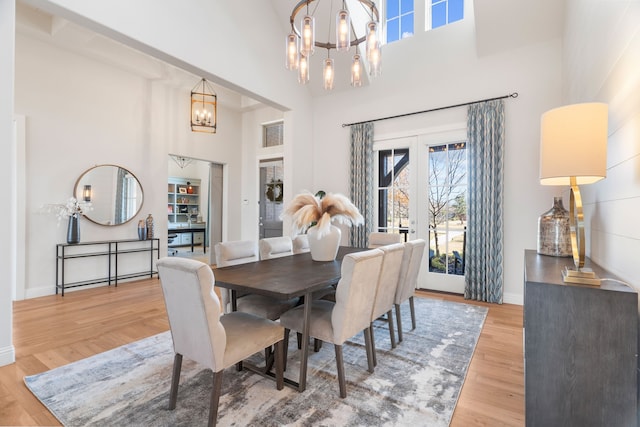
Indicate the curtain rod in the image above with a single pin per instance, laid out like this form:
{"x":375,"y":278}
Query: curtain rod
{"x":511,"y":95}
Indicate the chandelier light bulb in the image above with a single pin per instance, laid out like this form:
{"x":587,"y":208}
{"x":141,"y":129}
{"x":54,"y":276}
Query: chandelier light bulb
{"x":292,"y":52}
{"x":328,"y":74}
{"x":303,"y":70}
{"x":375,"y":62}
{"x":343,"y":31}
{"x":356,"y":71}
{"x":308,"y":41}
{"x":372,"y":38}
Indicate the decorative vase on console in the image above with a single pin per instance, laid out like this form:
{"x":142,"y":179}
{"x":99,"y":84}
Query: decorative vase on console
{"x":142,"y":230}
{"x":554,"y":235}
{"x":314,"y":214}
{"x":73,"y":229}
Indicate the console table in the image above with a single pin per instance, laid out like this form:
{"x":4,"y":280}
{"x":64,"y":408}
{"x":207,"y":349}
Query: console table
{"x":111,"y":250}
{"x":580,"y":348}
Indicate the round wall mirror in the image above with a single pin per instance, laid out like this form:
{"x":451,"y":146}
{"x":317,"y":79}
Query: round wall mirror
{"x":115,"y":194}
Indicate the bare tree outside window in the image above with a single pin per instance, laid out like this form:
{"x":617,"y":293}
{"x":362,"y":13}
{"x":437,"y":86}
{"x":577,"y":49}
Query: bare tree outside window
{"x":447,"y":206}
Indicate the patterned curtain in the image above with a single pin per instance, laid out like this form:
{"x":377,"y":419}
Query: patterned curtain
{"x":484,"y":254}
{"x":121,"y":197}
{"x":361,"y":180}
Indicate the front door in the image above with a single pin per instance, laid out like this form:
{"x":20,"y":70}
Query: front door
{"x":271,"y":191}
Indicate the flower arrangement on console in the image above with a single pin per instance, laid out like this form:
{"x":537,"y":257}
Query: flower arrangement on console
{"x":307,"y":210}
{"x":73,"y":208}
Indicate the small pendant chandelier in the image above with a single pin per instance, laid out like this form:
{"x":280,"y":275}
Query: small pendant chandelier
{"x":204,"y":106}
{"x":300,"y":43}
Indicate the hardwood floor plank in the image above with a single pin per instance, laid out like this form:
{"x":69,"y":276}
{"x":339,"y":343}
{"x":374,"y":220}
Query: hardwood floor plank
{"x":52,"y":331}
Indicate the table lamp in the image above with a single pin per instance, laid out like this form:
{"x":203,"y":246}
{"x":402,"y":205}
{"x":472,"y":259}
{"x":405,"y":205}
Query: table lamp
{"x":573,"y":151}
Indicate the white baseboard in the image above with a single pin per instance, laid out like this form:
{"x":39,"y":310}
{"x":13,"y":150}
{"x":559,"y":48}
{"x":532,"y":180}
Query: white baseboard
{"x":41,"y":291}
{"x":509,"y":298}
{"x":7,"y":355}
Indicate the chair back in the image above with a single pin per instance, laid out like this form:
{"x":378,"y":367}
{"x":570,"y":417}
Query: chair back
{"x":411,"y":262}
{"x":193,"y":309}
{"x":275,"y":247}
{"x":354,"y":302}
{"x":377,"y":239}
{"x":236,"y":252}
{"x":233,"y":253}
{"x":388,"y":280}
{"x":301,"y":244}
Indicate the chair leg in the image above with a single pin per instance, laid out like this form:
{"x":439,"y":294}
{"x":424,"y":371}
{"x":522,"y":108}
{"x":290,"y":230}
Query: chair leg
{"x":399,"y":322}
{"x":370,"y":347}
{"x":286,"y":350}
{"x":299,"y":338}
{"x":175,"y":380}
{"x":279,"y":353}
{"x":215,"y":398}
{"x":392,"y":335}
{"x":340,"y":365}
{"x":413,"y":313}
{"x":317,"y":345}
{"x":268,"y":358}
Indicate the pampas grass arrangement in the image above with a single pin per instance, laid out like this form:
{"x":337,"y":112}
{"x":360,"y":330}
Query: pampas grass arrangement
{"x":307,"y":210}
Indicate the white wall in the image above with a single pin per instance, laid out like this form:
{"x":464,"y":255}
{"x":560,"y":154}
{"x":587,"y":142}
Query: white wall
{"x":7,"y":172}
{"x":86,"y":113}
{"x":414,"y":81}
{"x":609,"y":71}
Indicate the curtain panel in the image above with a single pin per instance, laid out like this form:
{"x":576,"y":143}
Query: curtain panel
{"x":484,"y":279}
{"x":362,"y":180}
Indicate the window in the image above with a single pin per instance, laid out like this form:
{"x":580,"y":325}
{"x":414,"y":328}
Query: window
{"x":447,"y":207}
{"x":443,"y":12}
{"x":399,"y":19}
{"x":272,"y":134}
{"x":393,"y":191}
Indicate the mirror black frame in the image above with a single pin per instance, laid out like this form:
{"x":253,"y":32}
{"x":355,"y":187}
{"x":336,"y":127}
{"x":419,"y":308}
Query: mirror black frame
{"x":80,"y":190}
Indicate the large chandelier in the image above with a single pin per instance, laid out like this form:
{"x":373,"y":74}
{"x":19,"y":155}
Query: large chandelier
{"x":301,"y":42}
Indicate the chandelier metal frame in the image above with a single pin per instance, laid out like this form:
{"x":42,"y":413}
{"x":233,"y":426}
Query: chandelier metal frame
{"x":328,"y":45}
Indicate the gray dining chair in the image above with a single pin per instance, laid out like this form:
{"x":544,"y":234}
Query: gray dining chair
{"x":201,"y":334}
{"x":240,"y":252}
{"x":275,"y":247}
{"x":386,"y":290}
{"x":301,"y":244}
{"x":377,"y":239}
{"x":336,"y":322}
{"x":411,"y":263}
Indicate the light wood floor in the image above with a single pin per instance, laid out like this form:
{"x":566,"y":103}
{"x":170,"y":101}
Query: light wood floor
{"x":52,"y":331}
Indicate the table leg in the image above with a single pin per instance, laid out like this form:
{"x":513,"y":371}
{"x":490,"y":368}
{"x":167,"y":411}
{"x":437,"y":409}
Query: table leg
{"x":302,"y":382}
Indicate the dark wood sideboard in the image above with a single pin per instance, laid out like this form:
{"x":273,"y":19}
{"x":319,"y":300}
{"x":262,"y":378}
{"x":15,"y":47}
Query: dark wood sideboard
{"x":580,"y":348}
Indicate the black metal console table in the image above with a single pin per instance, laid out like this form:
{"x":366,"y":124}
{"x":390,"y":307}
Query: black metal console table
{"x":110,"y":249}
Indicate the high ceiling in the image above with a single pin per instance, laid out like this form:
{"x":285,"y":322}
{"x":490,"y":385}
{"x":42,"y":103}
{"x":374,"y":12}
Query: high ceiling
{"x":499,"y":25}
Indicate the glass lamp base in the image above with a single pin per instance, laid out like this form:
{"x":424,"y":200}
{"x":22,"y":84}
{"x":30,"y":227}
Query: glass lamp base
{"x":583,"y":276}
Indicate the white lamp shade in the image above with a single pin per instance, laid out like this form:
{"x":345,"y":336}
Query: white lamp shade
{"x":573,"y":143}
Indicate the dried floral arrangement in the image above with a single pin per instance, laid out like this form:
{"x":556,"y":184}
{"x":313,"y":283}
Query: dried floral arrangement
{"x":307,"y":210}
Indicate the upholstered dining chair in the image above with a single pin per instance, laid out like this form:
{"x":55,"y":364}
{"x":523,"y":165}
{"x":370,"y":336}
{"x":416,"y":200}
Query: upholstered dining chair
{"x":201,"y":334}
{"x":377,"y":239}
{"x":411,"y":263}
{"x":301,"y":244}
{"x":386,"y":290}
{"x":239,"y":252}
{"x":275,"y":247}
{"x":336,"y":322}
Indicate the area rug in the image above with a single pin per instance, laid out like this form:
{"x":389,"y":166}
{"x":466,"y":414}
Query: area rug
{"x":417,"y":383}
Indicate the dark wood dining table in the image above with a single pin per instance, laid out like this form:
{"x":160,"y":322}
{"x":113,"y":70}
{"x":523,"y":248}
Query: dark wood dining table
{"x":285,"y":278}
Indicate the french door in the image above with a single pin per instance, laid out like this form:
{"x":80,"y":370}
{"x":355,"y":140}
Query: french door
{"x":422,"y":194}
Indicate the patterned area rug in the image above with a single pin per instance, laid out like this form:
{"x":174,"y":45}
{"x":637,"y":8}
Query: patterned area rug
{"x":417,"y":383}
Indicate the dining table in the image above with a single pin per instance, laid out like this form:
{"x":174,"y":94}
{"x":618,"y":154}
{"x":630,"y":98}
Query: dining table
{"x":285,"y":278}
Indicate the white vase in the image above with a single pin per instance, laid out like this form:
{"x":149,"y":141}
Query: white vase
{"x":326,"y":247}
